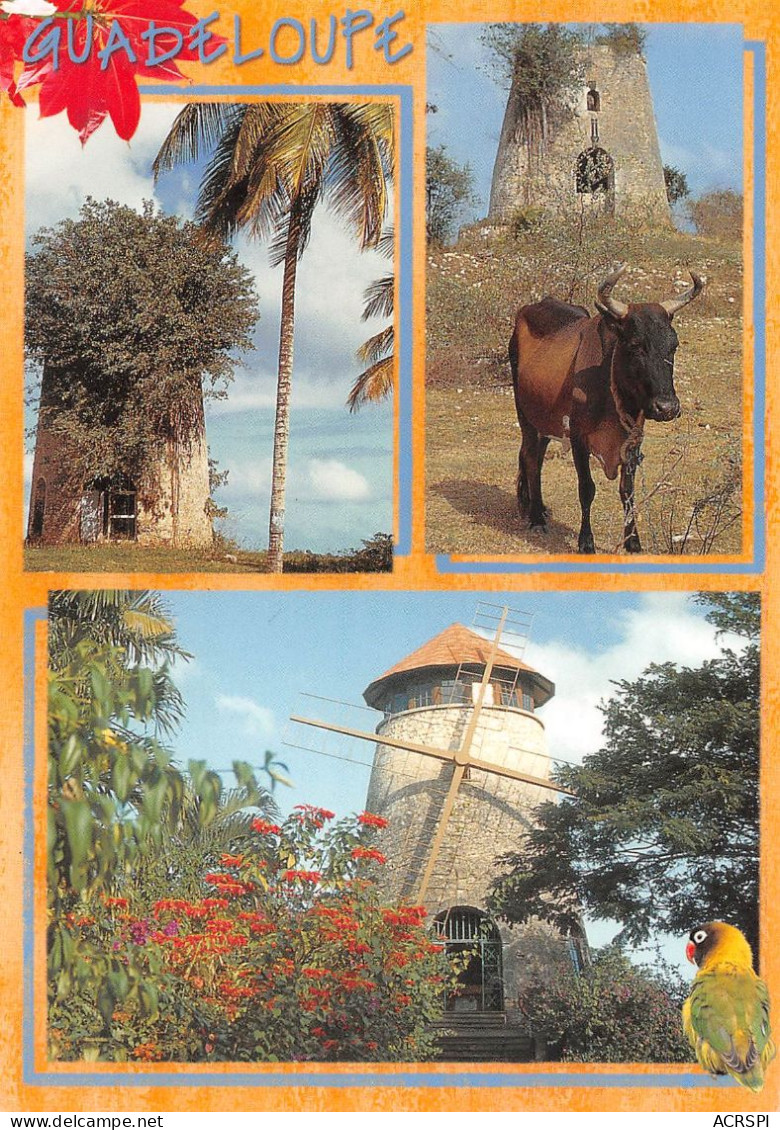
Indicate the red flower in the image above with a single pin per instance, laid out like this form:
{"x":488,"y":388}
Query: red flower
{"x":89,"y":92}
{"x":118,"y":904}
{"x":264,"y":828}
{"x":303,"y":876}
{"x":315,"y":816}
{"x":368,"y":853}
{"x":13,"y":33}
{"x":230,"y":860}
{"x":371,"y":820}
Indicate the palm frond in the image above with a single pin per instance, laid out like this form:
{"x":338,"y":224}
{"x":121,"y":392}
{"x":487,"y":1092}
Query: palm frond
{"x":196,"y":130}
{"x":379,"y":298}
{"x":377,"y":346}
{"x":373,"y":385}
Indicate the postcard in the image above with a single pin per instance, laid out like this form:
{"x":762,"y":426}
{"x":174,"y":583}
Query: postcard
{"x":389,"y":617}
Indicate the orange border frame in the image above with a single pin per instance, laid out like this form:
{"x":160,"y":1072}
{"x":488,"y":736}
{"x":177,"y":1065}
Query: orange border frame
{"x":22,"y":591}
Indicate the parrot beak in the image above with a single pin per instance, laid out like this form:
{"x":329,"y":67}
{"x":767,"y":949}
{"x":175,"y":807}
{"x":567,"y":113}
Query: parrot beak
{"x":690,"y":950}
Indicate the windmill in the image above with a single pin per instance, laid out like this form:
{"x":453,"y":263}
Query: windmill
{"x":462,"y":678}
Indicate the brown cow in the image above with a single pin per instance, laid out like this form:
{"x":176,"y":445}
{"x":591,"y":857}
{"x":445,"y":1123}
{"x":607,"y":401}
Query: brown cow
{"x":594,"y":381}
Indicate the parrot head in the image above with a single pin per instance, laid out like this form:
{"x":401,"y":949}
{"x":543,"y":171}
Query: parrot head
{"x":716,"y":941}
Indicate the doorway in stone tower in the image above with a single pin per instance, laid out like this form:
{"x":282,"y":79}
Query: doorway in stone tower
{"x":469,"y":933}
{"x":108,"y":510}
{"x":595,"y":176}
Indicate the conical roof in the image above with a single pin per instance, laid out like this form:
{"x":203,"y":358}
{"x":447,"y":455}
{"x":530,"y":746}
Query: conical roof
{"x":456,"y":646}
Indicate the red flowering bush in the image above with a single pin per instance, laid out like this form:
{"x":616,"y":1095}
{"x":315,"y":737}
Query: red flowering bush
{"x":291,"y":954}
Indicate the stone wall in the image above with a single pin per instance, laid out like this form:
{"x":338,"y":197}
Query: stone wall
{"x":171,"y":495}
{"x":490,"y":816}
{"x":544,"y":176}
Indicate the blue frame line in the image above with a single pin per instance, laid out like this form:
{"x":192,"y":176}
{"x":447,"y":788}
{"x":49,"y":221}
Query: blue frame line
{"x":404,"y":323}
{"x":444,"y":562}
{"x":314,"y":1078}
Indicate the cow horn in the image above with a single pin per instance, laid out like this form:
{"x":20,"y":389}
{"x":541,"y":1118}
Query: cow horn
{"x":617,"y":309}
{"x":672,"y":305}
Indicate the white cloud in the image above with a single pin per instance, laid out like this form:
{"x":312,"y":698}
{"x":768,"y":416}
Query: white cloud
{"x":662,"y":629}
{"x":61,"y":172}
{"x":256,"y":389}
{"x":250,"y":476}
{"x":258,"y":721}
{"x":330,"y":480}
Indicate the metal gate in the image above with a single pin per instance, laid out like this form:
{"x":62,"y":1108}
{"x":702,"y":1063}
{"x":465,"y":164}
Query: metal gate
{"x":469,"y":933}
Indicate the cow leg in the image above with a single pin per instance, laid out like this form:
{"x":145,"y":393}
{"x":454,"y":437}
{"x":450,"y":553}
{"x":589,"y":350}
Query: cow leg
{"x":544,"y":443}
{"x":529,"y":479}
{"x":587,"y":492}
{"x":630,"y":536}
{"x":523,"y":498}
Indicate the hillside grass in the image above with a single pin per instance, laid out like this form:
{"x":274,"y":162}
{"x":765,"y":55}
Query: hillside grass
{"x":689,"y":487}
{"x":126,"y":557}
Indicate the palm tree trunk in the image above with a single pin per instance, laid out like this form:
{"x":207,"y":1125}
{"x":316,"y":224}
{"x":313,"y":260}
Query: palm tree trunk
{"x":283,"y":386}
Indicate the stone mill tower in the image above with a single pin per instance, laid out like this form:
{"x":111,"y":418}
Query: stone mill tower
{"x":461,"y":761}
{"x":601,"y":153}
{"x":165,"y":503}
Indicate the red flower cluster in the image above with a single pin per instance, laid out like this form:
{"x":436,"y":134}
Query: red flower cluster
{"x":264,"y":828}
{"x":372,"y":821}
{"x":368,"y":853}
{"x":313,"y":815}
{"x":293,"y":876}
{"x":228,"y":885}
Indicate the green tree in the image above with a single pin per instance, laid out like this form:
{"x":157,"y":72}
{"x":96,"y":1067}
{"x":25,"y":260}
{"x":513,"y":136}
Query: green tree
{"x":131,"y":315}
{"x":270,"y":164}
{"x":663,"y":831}
{"x":448,"y":189}
{"x":539,"y":62}
{"x":625,"y":39}
{"x":611,"y":1012}
{"x":676,"y":184}
{"x":718,"y":215}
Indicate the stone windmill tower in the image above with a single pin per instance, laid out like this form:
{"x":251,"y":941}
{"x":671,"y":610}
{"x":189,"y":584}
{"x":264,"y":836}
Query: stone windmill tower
{"x":601,"y":153}
{"x":165,"y":504}
{"x":461,"y":761}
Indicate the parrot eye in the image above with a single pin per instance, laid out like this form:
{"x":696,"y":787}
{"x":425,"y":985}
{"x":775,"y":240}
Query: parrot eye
{"x":699,"y":937}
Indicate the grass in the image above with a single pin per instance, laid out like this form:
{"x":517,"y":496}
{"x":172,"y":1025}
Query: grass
{"x":124,"y":557}
{"x":374,"y":556}
{"x":689,"y":486}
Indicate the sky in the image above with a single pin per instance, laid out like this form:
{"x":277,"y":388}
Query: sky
{"x":695,"y":73}
{"x":340,"y":472}
{"x":257,"y":656}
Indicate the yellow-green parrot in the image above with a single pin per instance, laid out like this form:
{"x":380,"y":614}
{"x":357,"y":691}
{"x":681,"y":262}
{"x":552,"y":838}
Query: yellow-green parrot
{"x":726,"y":1017}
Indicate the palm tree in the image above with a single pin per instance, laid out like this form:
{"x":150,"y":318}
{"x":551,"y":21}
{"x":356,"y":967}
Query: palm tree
{"x":376,"y":382}
{"x":269,"y":165}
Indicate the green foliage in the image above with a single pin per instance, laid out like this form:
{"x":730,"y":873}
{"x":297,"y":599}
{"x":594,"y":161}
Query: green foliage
{"x":624,"y":39}
{"x":611,"y":1012}
{"x":130,"y":314}
{"x":287,"y":952}
{"x":676,"y":184}
{"x":374,"y":556}
{"x":121,"y":814}
{"x":538,"y":61}
{"x":717,"y":215}
{"x":663,"y":832}
{"x":448,"y":189}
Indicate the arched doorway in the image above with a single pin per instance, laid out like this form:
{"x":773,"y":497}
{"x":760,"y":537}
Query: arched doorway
{"x":469,"y":933}
{"x":595,"y":171}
